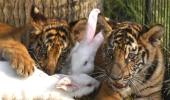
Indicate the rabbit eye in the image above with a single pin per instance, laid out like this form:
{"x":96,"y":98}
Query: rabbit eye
{"x":85,"y":63}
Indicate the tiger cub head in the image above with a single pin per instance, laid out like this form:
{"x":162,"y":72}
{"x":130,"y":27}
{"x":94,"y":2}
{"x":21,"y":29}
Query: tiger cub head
{"x":133,"y":53}
{"x":49,"y":41}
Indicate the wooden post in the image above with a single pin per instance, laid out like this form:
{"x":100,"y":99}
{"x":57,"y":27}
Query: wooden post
{"x":148,"y":12}
{"x":17,"y":12}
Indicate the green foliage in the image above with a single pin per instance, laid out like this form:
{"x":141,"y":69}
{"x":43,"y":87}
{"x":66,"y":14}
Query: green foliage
{"x":135,"y":10}
{"x":123,"y":10}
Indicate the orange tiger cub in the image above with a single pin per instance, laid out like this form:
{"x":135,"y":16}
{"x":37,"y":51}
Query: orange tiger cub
{"x":132,"y":61}
{"x":44,"y":39}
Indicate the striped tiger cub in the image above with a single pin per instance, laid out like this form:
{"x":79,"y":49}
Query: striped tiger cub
{"x":131,"y":62}
{"x":50,"y":41}
{"x":46,"y":40}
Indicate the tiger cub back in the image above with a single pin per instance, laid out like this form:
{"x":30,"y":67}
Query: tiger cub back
{"x":4,"y":28}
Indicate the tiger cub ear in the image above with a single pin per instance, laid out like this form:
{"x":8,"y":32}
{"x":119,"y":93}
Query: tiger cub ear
{"x":154,"y":34}
{"x":38,"y":19}
{"x":78,"y":28}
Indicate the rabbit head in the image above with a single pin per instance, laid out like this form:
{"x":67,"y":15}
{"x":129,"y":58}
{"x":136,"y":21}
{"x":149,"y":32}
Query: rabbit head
{"x":83,"y":54}
{"x":77,"y":85}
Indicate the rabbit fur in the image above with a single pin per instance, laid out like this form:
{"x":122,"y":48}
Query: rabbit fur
{"x":83,"y":54}
{"x":42,"y":86}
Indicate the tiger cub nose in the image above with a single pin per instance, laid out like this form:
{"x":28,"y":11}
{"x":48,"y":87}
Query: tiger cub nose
{"x":116,"y":72}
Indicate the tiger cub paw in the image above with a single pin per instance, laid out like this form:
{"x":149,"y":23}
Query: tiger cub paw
{"x":23,"y":64}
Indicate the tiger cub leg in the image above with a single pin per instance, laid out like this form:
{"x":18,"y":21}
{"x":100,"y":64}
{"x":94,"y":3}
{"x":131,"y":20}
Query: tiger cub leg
{"x":18,"y":56}
{"x":107,"y":93}
{"x":155,"y":96}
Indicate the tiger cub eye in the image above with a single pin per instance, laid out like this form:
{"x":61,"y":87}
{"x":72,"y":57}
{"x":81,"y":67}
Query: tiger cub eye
{"x":131,"y":56}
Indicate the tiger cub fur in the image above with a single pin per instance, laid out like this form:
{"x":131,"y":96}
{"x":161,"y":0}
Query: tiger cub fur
{"x":46,"y":40}
{"x":131,"y":61}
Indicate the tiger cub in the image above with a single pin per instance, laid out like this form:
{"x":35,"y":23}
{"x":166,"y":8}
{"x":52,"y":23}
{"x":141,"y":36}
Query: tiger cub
{"x":131,"y":62}
{"x":46,"y":40}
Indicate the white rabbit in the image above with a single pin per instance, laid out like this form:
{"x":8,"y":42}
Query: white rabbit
{"x":83,"y":54}
{"x":42,"y":86}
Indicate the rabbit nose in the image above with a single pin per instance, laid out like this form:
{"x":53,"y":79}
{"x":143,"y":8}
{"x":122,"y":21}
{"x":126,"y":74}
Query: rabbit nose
{"x":116,"y":72}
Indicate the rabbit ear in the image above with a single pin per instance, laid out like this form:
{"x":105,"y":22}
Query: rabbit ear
{"x":98,"y":39}
{"x":91,"y":25}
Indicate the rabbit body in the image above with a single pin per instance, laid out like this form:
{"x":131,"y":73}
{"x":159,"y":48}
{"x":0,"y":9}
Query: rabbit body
{"x":42,"y":86}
